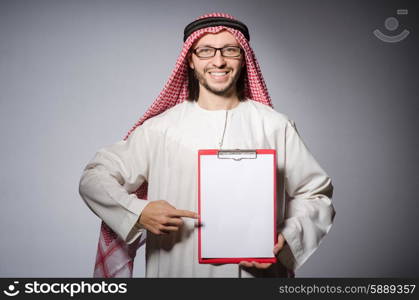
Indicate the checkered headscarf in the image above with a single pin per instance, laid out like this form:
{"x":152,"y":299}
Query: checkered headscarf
{"x":114,"y":257}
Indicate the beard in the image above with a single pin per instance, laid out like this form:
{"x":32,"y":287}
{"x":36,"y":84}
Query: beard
{"x":226,"y":90}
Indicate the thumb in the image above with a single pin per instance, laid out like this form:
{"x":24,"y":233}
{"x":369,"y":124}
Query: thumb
{"x":280,"y":244}
{"x":276,"y":249}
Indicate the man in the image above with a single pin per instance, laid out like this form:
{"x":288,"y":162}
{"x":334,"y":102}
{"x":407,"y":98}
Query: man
{"x":228,"y":108}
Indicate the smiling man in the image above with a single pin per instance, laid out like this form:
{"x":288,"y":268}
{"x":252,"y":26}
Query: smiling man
{"x":227,"y":107}
{"x":217,"y":73}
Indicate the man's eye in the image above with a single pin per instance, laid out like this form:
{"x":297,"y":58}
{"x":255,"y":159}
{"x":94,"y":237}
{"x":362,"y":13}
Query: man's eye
{"x":204,"y":50}
{"x":231,"y":50}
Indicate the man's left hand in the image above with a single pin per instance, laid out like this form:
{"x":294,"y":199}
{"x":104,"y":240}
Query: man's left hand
{"x":277,"y":248}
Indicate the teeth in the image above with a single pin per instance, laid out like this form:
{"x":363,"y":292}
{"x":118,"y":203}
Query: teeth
{"x":218,"y":73}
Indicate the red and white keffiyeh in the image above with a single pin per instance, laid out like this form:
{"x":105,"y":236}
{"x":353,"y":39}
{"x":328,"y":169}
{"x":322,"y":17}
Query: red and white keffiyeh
{"x":114,"y":257}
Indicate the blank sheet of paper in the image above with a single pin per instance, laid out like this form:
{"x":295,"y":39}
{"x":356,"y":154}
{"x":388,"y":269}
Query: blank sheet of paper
{"x":237,"y":207}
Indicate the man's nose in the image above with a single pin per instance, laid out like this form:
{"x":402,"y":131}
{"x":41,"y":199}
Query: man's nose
{"x":218,"y":60}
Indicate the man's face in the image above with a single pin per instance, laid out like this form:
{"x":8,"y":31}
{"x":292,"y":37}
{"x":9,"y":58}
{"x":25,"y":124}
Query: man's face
{"x":217,"y":74}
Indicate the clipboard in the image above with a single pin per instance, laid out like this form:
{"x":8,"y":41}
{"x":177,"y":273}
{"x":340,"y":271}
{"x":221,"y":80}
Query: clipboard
{"x":237,"y":206}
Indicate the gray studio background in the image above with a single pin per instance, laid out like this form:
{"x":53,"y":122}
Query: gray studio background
{"x":76,"y":75}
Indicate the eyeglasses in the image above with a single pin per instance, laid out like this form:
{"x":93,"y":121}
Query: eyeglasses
{"x":208,"y":52}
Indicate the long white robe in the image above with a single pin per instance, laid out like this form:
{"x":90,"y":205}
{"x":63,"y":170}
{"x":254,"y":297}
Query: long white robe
{"x":163,"y":151}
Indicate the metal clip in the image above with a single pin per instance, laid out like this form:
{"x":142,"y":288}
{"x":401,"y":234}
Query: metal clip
{"x":237,"y":154}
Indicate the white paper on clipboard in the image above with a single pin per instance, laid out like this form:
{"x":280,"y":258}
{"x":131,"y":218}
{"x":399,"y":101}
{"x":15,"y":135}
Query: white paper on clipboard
{"x":237,"y":205}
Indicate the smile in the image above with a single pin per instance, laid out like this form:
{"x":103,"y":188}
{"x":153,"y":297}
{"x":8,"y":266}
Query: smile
{"x":219,"y":76}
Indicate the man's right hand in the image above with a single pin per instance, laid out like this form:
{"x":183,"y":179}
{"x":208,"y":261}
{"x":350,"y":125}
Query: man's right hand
{"x":159,"y":217}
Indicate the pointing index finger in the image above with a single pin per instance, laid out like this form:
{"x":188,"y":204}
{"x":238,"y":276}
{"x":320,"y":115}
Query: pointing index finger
{"x":184,"y":213}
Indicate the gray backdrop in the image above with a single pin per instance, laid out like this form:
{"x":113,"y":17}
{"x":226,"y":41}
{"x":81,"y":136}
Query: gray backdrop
{"x":76,"y":75}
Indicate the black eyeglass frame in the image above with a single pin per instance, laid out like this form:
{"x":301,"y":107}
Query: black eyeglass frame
{"x":215,"y":52}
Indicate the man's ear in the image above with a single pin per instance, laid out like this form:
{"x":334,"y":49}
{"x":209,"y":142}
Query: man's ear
{"x":190,"y":62}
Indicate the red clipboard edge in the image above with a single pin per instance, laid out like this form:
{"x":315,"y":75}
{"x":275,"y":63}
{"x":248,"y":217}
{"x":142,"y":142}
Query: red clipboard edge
{"x":234,"y":260}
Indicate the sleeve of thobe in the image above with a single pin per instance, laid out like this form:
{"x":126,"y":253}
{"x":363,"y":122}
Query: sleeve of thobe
{"x":110,"y":179}
{"x":309,"y":212}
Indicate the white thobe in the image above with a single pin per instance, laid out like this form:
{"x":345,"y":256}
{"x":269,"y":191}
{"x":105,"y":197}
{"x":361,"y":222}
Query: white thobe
{"x":163,"y":152}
